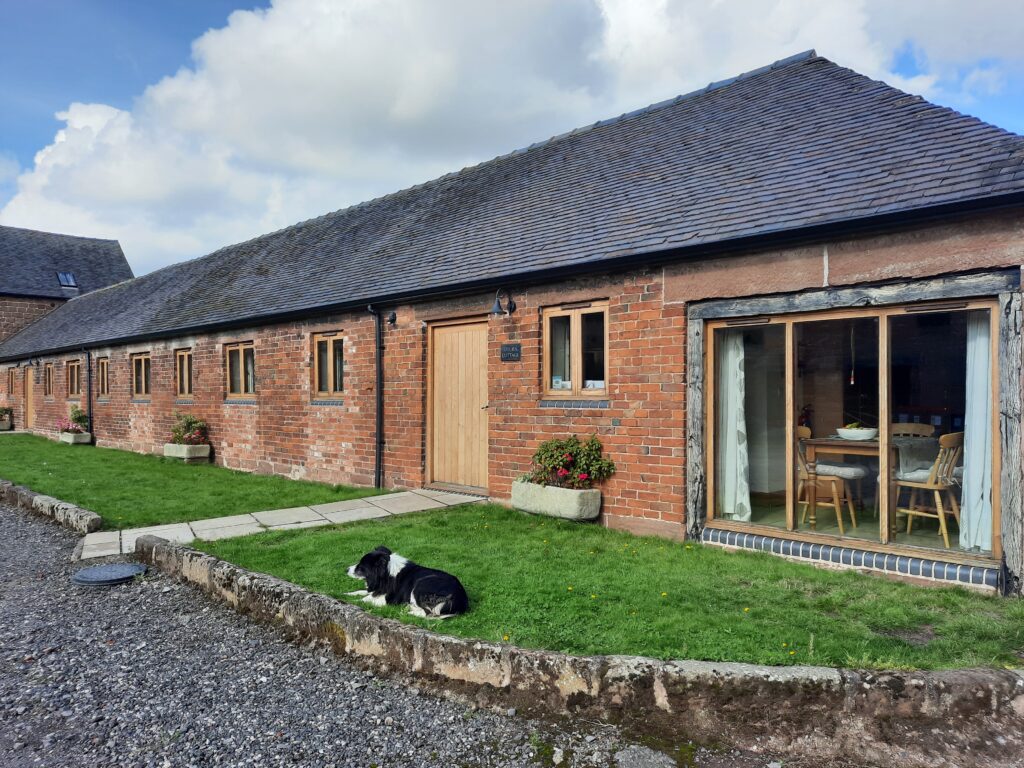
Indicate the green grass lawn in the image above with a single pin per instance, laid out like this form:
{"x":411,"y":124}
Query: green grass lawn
{"x":129,"y":490}
{"x":582,"y":589}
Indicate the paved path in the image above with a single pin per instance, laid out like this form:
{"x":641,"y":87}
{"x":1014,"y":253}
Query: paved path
{"x":108,"y":543}
{"x":154,"y":674}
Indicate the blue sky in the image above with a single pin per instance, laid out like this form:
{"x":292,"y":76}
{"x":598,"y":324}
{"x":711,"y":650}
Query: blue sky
{"x":177,"y":127}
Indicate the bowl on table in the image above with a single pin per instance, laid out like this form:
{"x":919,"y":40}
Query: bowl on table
{"x":859,"y":433}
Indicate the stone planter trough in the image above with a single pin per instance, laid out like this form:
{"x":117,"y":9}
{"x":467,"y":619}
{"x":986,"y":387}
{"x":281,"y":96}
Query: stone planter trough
{"x":566,"y":503}
{"x":6,"y":424}
{"x":76,"y":438}
{"x":187,"y":452}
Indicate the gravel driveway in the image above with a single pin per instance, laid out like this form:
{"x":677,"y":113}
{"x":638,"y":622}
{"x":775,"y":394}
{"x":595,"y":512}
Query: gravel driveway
{"x":155,"y":674}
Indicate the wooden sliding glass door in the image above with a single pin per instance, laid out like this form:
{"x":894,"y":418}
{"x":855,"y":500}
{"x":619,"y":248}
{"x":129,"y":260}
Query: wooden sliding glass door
{"x":875,"y":424}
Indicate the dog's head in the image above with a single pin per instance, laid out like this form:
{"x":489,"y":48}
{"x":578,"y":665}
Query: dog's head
{"x":372,"y":568}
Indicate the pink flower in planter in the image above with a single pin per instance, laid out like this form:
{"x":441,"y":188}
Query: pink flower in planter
{"x":562,"y":472}
{"x":583,"y":476}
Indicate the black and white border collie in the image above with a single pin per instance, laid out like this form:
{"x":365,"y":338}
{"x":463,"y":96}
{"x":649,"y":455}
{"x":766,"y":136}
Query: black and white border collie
{"x":393,"y":580}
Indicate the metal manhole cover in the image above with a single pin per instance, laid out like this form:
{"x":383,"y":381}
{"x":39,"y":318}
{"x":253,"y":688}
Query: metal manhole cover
{"x":108,"y":575}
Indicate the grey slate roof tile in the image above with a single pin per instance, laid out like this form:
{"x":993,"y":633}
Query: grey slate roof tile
{"x":30,"y":261}
{"x":799,"y":143}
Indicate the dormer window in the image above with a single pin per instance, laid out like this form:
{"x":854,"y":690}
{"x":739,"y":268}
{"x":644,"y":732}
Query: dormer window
{"x":67,"y":279}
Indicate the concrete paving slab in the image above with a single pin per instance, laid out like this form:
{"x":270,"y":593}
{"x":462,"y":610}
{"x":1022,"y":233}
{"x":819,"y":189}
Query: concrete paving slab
{"x":401,"y":503}
{"x":230,"y":531}
{"x":179,"y":533}
{"x":352,"y":515}
{"x":286,"y":516}
{"x":449,"y":499}
{"x":340,"y":506}
{"x":106,"y":549}
{"x":101,"y":537}
{"x":221,"y":522}
{"x":306,"y":524}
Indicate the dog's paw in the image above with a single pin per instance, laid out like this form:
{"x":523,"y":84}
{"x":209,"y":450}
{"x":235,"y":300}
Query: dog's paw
{"x":415,"y":610}
{"x":357,"y":593}
{"x":377,"y":600}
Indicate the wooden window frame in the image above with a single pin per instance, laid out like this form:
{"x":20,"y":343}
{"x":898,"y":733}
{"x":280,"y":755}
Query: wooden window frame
{"x":883,"y":314}
{"x":12,"y":381}
{"x":333,"y":339}
{"x":146,"y":360}
{"x":574,"y":312}
{"x":73,"y":374}
{"x":243,"y":393}
{"x":183,"y":361}
{"x":103,"y":377}
{"x":48,"y":380}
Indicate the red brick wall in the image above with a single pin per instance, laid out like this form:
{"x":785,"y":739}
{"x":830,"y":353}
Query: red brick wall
{"x":283,"y":430}
{"x":16,"y":313}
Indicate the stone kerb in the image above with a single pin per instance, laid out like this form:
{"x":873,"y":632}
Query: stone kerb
{"x":969,"y":718}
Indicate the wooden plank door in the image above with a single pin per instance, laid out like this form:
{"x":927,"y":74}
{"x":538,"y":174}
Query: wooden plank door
{"x":458,"y":405}
{"x":30,"y":405}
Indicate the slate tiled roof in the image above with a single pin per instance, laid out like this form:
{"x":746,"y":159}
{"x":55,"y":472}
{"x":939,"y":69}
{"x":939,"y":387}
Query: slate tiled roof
{"x":30,"y":261}
{"x":802,"y":142}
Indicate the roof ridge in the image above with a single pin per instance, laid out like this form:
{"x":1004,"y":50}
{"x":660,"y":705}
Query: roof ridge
{"x":60,"y":234}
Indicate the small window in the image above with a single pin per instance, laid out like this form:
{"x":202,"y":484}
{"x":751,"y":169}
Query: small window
{"x":575,"y":351}
{"x":48,"y":380}
{"x":183,"y":372}
{"x":67,"y":279}
{"x":74,"y":371}
{"x":12,"y":378}
{"x":103,"y":376}
{"x":329,"y":364}
{"x":240,"y":369}
{"x":141,"y":366}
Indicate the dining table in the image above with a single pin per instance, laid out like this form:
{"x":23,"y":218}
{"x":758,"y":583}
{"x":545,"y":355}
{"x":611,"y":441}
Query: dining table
{"x":907,"y":453}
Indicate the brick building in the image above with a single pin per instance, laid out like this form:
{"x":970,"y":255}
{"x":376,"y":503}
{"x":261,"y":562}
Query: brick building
{"x":713,"y":285}
{"x":41,"y":270}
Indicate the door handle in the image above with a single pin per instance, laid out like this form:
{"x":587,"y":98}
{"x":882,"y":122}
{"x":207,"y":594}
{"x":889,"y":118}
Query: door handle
{"x":485,"y":406}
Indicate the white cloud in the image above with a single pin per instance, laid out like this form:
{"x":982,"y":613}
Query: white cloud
{"x":312,"y":105}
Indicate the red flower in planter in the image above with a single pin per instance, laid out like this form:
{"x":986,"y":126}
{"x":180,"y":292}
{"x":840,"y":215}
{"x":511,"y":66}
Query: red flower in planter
{"x":582,"y":476}
{"x":562,"y":471}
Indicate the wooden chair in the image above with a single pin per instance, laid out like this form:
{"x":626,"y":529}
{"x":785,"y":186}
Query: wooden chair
{"x":835,"y":477}
{"x":902,"y":429}
{"x":938,"y":481}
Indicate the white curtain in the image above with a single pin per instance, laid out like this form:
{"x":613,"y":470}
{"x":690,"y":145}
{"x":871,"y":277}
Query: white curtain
{"x":733,"y":466}
{"x":976,"y":505}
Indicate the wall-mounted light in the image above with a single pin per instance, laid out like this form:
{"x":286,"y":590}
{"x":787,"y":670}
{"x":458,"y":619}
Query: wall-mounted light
{"x":392,"y":318}
{"x":510,"y":305}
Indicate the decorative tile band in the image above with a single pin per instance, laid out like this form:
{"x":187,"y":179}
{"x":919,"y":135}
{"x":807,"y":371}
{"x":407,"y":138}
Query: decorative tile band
{"x":327,"y":402}
{"x":920,"y":567}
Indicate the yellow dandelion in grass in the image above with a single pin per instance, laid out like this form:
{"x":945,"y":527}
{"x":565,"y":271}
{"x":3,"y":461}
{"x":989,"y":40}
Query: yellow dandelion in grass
{"x":792,"y":653}
{"x":746,"y":610}
{"x":569,"y":587}
{"x":689,"y":546}
{"x":593,"y":597}
{"x":785,"y":645}
{"x":664,"y":594}
{"x":505,"y":638}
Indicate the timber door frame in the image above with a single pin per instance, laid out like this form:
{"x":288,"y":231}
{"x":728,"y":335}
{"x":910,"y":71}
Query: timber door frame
{"x":429,"y":433}
{"x":30,"y":399}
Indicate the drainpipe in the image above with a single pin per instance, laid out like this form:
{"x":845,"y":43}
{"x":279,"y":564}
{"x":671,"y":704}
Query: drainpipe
{"x":378,"y":465}
{"x":88,"y":391}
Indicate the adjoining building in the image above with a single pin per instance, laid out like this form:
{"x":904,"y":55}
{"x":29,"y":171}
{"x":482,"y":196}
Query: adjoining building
{"x":714,"y":285}
{"x":41,"y":270}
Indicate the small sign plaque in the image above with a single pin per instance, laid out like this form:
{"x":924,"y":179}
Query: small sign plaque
{"x":511,"y":353}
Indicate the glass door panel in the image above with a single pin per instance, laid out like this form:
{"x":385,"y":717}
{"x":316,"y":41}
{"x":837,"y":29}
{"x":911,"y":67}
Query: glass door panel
{"x":750,"y":425}
{"x":836,"y":400}
{"x":942,"y":430}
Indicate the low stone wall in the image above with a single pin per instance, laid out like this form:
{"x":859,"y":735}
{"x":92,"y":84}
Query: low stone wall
{"x":963,"y":718}
{"x":68,"y":515}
